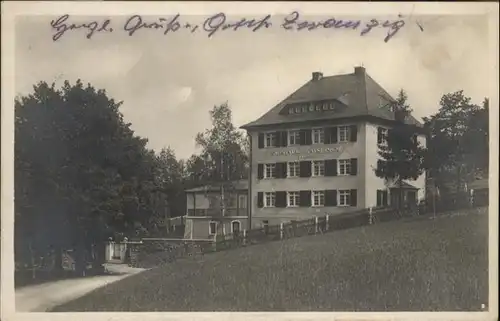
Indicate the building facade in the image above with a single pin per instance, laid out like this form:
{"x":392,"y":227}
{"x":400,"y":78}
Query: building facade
{"x":206,"y":218}
{"x":315,"y":152}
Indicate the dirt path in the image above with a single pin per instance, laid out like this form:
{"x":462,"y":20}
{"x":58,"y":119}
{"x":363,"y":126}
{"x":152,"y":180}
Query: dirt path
{"x":41,"y":297}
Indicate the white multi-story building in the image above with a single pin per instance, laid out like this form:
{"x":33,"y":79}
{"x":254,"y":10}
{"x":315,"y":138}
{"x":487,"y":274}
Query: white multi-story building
{"x":316,"y":151}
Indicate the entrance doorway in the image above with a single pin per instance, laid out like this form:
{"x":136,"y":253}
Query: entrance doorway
{"x":235,"y":227}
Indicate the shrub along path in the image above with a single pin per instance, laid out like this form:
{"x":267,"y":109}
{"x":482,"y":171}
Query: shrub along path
{"x":429,"y":265}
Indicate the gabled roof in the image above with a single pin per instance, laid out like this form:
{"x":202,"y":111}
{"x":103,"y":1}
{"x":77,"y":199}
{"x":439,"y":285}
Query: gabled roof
{"x":404,"y":185}
{"x":240,"y":185}
{"x":357,"y":92}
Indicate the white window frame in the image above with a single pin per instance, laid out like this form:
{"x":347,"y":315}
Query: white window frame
{"x":384,"y":132}
{"x":273,"y":171}
{"x":232,"y":228}
{"x":295,"y":134}
{"x":297,"y":170}
{"x":271,"y":137}
{"x":272,"y":199}
{"x":344,"y":192}
{"x":347,"y":167}
{"x":321,"y":136}
{"x":296,"y":198}
{"x":346,"y":131}
{"x":210,"y":228}
{"x":313,"y":203}
{"x":313,"y":163}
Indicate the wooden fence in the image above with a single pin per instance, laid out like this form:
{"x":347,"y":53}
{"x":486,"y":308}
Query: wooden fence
{"x":159,"y":251}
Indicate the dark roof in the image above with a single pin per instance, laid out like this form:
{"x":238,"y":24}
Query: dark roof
{"x":358,"y":93}
{"x":404,"y":185}
{"x":240,"y":185}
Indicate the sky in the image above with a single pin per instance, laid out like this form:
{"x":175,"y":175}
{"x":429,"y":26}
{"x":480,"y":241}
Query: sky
{"x":168,"y":83}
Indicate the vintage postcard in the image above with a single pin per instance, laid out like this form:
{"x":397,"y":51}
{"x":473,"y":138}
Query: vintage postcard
{"x":249,"y":161}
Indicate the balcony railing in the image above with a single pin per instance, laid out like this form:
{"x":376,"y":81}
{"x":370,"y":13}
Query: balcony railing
{"x":216,"y":212}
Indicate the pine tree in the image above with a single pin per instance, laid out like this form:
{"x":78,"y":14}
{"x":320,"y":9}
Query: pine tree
{"x":402,"y":154}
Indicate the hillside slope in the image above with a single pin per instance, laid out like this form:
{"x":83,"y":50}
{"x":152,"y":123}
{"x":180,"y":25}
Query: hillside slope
{"x":430,"y":265}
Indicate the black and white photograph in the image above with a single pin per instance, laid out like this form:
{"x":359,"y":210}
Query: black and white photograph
{"x":263,"y":159}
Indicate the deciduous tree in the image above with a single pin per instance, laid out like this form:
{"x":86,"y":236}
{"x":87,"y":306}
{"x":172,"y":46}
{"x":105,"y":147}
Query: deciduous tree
{"x":81,"y":173}
{"x":458,"y":140}
{"x":223,"y":157}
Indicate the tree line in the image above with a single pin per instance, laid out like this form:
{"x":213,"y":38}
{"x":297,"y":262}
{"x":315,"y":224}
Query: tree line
{"x":82,"y":175}
{"x":457,"y":144}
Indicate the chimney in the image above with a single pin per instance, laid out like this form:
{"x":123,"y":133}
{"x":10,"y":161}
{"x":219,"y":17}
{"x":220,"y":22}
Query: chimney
{"x":317,"y":76}
{"x":359,"y":71}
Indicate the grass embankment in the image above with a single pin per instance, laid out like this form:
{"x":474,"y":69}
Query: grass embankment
{"x":429,"y":265}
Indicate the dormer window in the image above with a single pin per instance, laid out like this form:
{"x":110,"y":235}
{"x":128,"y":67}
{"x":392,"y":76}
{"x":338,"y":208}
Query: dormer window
{"x":301,"y":108}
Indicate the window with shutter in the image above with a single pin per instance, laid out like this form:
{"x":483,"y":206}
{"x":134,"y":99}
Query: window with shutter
{"x":269,"y":170}
{"x":269,"y":199}
{"x":280,"y":199}
{"x":270,"y":139}
{"x":335,"y":137}
{"x":260,"y":171}
{"x":261,"y":140}
{"x":277,"y":139}
{"x":331,"y":197}
{"x":343,"y":135}
{"x":318,"y":198}
{"x":318,"y":168}
{"x":353,"y":130}
{"x":344,"y":166}
{"x":354,"y":197}
{"x":294,"y":137}
{"x":305,"y":169}
{"x":331,"y":167}
{"x":293,"y":169}
{"x":354,"y":166}
{"x":283,"y":141}
{"x":281,"y":170}
{"x":318,"y":136}
{"x":328,"y":135}
{"x":344,"y":197}
{"x":260,"y":199}
{"x":305,"y":137}
{"x":305,"y":198}
{"x":293,"y":199}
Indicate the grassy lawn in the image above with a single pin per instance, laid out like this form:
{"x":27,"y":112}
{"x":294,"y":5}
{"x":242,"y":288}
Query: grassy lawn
{"x":429,"y":265}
